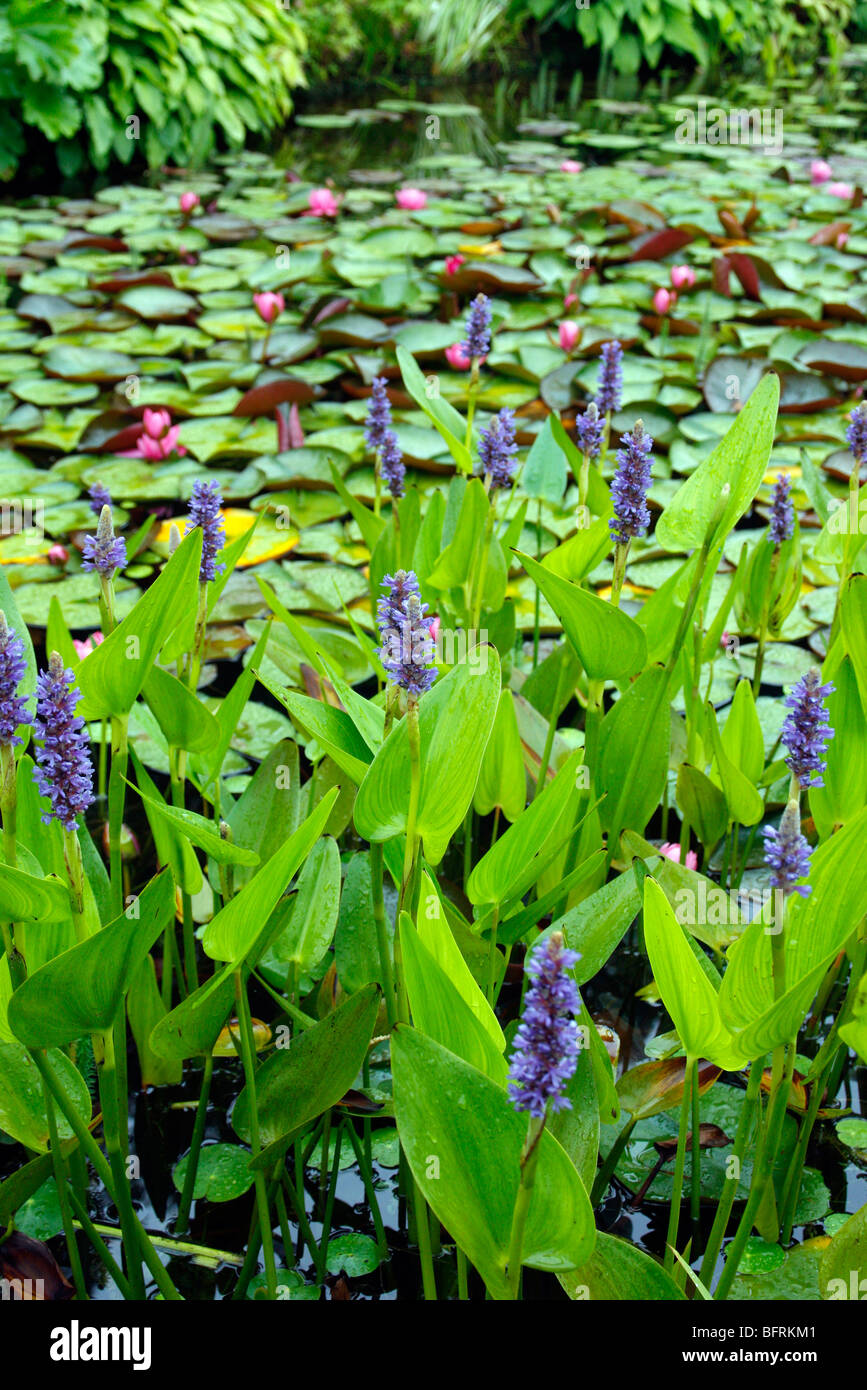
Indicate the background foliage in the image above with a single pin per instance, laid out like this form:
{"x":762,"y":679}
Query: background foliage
{"x":72,"y":73}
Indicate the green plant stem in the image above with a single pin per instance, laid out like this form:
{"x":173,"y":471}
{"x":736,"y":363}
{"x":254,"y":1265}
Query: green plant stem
{"x":366,"y":1170}
{"x":695,"y":1194}
{"x":248,"y":1059}
{"x":463,"y":1282}
{"x":472,"y":392}
{"x":89,"y":1145}
{"x":75,"y":875}
{"x":100,"y":1249}
{"x":552,"y":729}
{"x":422,"y":1222}
{"x":377,"y":870}
{"x":116,"y":796}
{"x":762,"y":1173}
{"x":61,"y":1184}
{"x":405,"y":900}
{"x":113,"y":1098}
{"x":746,"y":1122}
{"x":521,"y":1210}
{"x":620,"y":555}
{"x":679,"y":1165}
{"x":183,"y":1217}
{"x":606,"y":1172}
{"x":191,"y":968}
{"x":482,"y":572}
{"x":538,"y":603}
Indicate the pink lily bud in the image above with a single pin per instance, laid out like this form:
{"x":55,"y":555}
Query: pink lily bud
{"x":841,"y":190}
{"x":453,"y":264}
{"x":570,"y":300}
{"x":664,"y":300}
{"x":188,"y":201}
{"x":571,"y":166}
{"x":156,"y":422}
{"x":322,"y":202}
{"x":820,"y":171}
{"x":673,"y":852}
{"x":89,"y":644}
{"x":457,"y":358}
{"x":842,"y":240}
{"x":569,"y":334}
{"x":412,"y":199}
{"x":58,"y":555}
{"x":682,"y":276}
{"x":269,"y":305}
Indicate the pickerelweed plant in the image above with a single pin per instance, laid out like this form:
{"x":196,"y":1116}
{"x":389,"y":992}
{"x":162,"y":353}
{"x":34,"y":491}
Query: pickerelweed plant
{"x":461,"y":798}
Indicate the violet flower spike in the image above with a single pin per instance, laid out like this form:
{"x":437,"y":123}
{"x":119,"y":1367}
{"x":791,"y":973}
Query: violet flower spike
{"x":391,"y":464}
{"x":13,"y":707}
{"x":806,"y":730}
{"x":497,"y":447}
{"x":378,"y":415}
{"x":546,"y":1043}
{"x":856,"y":433}
{"x":477,"y":343}
{"x":407,"y":650}
{"x":629,"y":486}
{"x":609,"y":393}
{"x":99,"y":497}
{"x":205,"y":504}
{"x":589,"y":429}
{"x":782,"y":523}
{"x":787,"y":853}
{"x":63,"y":772}
{"x":105,"y":552}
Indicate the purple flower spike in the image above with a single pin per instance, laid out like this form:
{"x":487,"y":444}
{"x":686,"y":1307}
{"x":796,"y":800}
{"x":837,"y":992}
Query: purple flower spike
{"x":629,"y":486}
{"x":787,"y":853}
{"x":496,"y":449}
{"x":589,"y":428}
{"x":407,"y":649}
{"x":782,"y":524}
{"x":546,"y":1043}
{"x":609,"y":393}
{"x":806,"y":731}
{"x":105,"y":552}
{"x":13,"y":707}
{"x":856,"y":433}
{"x":378,"y":415}
{"x":99,"y":497}
{"x":478,"y":340}
{"x":392,"y":465}
{"x":63,"y":771}
{"x":205,"y":505}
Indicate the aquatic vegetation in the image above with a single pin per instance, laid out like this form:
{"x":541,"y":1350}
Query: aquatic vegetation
{"x":407,"y":693}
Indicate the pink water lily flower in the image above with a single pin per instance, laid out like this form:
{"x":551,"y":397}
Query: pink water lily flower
{"x":840,"y":190}
{"x":188,"y":201}
{"x":570,"y":299}
{"x":820,"y":171}
{"x":682,"y":276}
{"x":269,"y":305}
{"x":571,"y":166}
{"x":842,"y":240}
{"x":83,"y":649}
{"x":664,"y":300}
{"x":673,"y":852}
{"x":457,"y":358}
{"x":453,"y":264}
{"x":569,"y":333}
{"x":434,"y":627}
{"x":322,"y":203}
{"x":58,"y":555}
{"x":156,"y":422}
{"x":412,"y":199}
{"x":159,"y":438}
